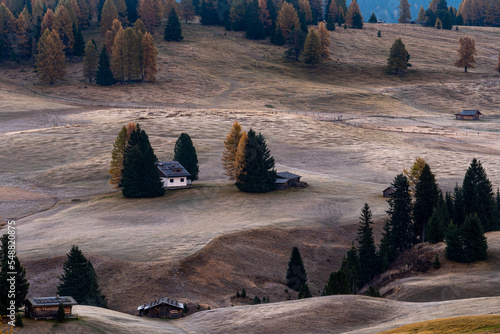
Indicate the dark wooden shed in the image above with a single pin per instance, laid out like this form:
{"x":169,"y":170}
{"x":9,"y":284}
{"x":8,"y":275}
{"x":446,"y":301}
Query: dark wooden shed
{"x":389,"y":191}
{"x":46,"y":307}
{"x":469,"y":115}
{"x":161,"y":308}
{"x":286,"y":180}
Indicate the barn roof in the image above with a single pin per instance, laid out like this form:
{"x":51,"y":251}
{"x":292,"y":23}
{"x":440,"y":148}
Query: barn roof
{"x":172,"y":169}
{"x":163,"y":300}
{"x":286,"y":175}
{"x":469,"y":113}
{"x":52,"y":301}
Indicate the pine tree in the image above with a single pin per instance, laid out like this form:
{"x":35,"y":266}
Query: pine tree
{"x":278,"y":38}
{"x":469,"y":243}
{"x":132,"y":6}
{"x":173,"y":30}
{"x":168,"y":6}
{"x":337,"y":284}
{"x":386,"y":252}
{"x":187,"y":10}
{"x":230,"y":148}
{"x":373,"y":18}
{"x":79,"y":45}
{"x":357,"y":21}
{"x":317,"y":11}
{"x":258,"y":174}
{"x":185,"y":154}
{"x":108,"y":15}
{"x":118,"y":61}
{"x":118,"y":153}
{"x":304,"y":292}
{"x":254,"y":28}
{"x":430,"y":18}
{"x":305,"y":8}
{"x":324,"y":39}
{"x":23,"y":36}
{"x":297,"y":38}
{"x":372,"y":292}
{"x":296,"y":274}
{"x":352,"y":268}
{"x":208,"y":14}
{"x":80,"y":280}
{"x":332,"y":15}
{"x":149,"y":54}
{"x":150,"y":14}
{"x":400,"y":212}
{"x":50,"y":61}
{"x":459,"y":206}
{"x":287,"y":19}
{"x":426,"y":198}
{"x":265,"y":17}
{"x":237,"y":15}
{"x":312,"y":48}
{"x":421,"y":18}
{"x":121,"y":8}
{"x":367,"y":251}
{"x":48,"y":20}
{"x":11,"y":264}
{"x":478,"y":194}
{"x":437,"y":224}
{"x":466,"y":53}
{"x":64,"y":27}
{"x":140,"y":175}
{"x":90,"y":61}
{"x":302,"y":23}
{"x":404,"y":12}
{"x":354,"y":20}
{"x":398,"y":58}
{"x":104,"y":76}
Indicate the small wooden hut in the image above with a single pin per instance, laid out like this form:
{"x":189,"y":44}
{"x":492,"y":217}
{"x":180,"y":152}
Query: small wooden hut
{"x":469,"y":115}
{"x":161,"y":308}
{"x":46,"y":307}
{"x":286,"y":180}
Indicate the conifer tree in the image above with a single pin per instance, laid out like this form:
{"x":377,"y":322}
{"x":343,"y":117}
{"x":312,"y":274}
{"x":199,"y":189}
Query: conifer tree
{"x":357,"y":21}
{"x":110,"y":36}
{"x":367,"y":251}
{"x":302,"y":22}
{"x":436,"y":226}
{"x":304,"y":292}
{"x":118,"y":153}
{"x":316,"y":10}
{"x":459,"y":206}
{"x":430,"y":18}
{"x":208,"y":14}
{"x":139,"y":27}
{"x":400,"y":212}
{"x":185,"y":154}
{"x":398,"y":58}
{"x":324,"y":39}
{"x":439,"y":24}
{"x":453,"y":241}
{"x":373,"y":18}
{"x":372,"y":292}
{"x":297,"y":38}
{"x":265,"y":17}
{"x":278,"y":38}
{"x":50,"y":60}
{"x":421,"y":18}
{"x":404,"y":12}
{"x":11,"y":264}
{"x":83,"y":19}
{"x":305,"y":7}
{"x":79,"y":45}
{"x":296,"y":274}
{"x":108,"y":15}
{"x":337,"y":284}
{"x":386,"y":252}
{"x":140,"y":176}
{"x":332,"y":16}
{"x":149,"y":54}
{"x":351,"y":20}
{"x":466,"y":53}
{"x":121,"y":8}
{"x":173,"y":30}
{"x":168,"y":6}
{"x":426,"y":198}
{"x":237,"y":15}
{"x":230,"y":147}
{"x":258,"y":174}
{"x":240,"y":163}
{"x":287,"y":19}
{"x":118,"y":58}
{"x":467,"y":244}
{"x":90,"y":61}
{"x":64,"y":27}
{"x":254,"y":28}
{"x":132,"y":6}
{"x":23,"y":36}
{"x":187,"y":10}
{"x":80,"y":280}
{"x":104,"y":76}
{"x":312,"y":48}
{"x":352,"y":268}
{"x":131,"y":54}
{"x":48,"y":20}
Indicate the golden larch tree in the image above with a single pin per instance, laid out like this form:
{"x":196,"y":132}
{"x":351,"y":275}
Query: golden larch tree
{"x":108,"y":15}
{"x":312,"y":48}
{"x":90,"y":61}
{"x":240,"y":157}
{"x":118,"y":152}
{"x":264,"y":16}
{"x":50,"y":60}
{"x":37,"y":11}
{"x":149,"y":55}
{"x":48,"y":20}
{"x":83,"y":19}
{"x":324,"y":39}
{"x":168,"y":5}
{"x":413,"y":174}
{"x":187,"y":10}
{"x":132,"y":54}
{"x":149,"y":12}
{"x":139,"y":27}
{"x":305,"y":7}
{"x":64,"y":27}
{"x":466,"y":53}
{"x":421,"y":18}
{"x":333,"y":11}
{"x":353,"y":9}
{"x":110,"y":36}
{"x":117,"y":58}
{"x":230,"y":148}
{"x":23,"y":39}
{"x":121,"y":8}
{"x":404,"y":12}
{"x":287,"y":19}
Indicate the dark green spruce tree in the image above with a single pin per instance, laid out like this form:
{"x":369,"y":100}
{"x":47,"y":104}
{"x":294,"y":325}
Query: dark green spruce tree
{"x":373,"y":18}
{"x":352,"y":268}
{"x":400,"y":212}
{"x":458,"y":206}
{"x":259,"y":174}
{"x":296,"y":38}
{"x":80,"y":280}
{"x":426,"y":198}
{"x":367,"y":251}
{"x":173,"y":30}
{"x":296,"y":273}
{"x":185,"y":154}
{"x":474,"y":242}
{"x":104,"y":76}
{"x":437,"y":224}
{"x":140,"y":176}
{"x":208,"y":14}
{"x":254,"y":28}
{"x":10,"y":263}
{"x":453,"y":239}
{"x":337,"y":284}
{"x":79,"y":44}
{"x":304,"y":291}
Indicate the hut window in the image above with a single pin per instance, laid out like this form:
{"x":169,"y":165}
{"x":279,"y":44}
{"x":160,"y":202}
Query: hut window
{"x":182,"y":180}
{"x":171,"y":180}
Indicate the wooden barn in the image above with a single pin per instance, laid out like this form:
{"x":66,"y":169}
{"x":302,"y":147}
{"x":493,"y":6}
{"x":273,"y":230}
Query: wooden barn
{"x":46,"y":307}
{"x":161,"y":308}
{"x":389,"y":191}
{"x":469,"y":115}
{"x":286,"y":180}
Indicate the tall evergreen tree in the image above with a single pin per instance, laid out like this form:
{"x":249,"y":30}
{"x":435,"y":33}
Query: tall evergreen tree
{"x":324,"y":38}
{"x":453,"y":239}
{"x":254,"y":28}
{"x":400,"y":212}
{"x":304,"y":292}
{"x":337,"y":284}
{"x":430,"y":18}
{"x":437,"y":224}
{"x":118,"y":153}
{"x":404,"y":12}
{"x":398,"y":58}
{"x":287,"y":19}
{"x":352,"y":268}
{"x":373,"y":18}
{"x":80,"y":280}
{"x":296,"y":274}
{"x":208,"y":14}
{"x":90,"y":61}
{"x":466,"y":53}
{"x":150,"y":13}
{"x":79,"y":45}
{"x":258,"y":175}
{"x":459,"y":206}
{"x":132,"y":10}
{"x":185,"y":154}
{"x":357,"y":21}
{"x":367,"y":251}
{"x":312,"y":48}
{"x":237,"y":15}
{"x":426,"y":198}
{"x":104,"y":76}
{"x":386,"y":252}
{"x":297,"y":39}
{"x":50,"y":60}
{"x":230,"y":148}
{"x":353,"y":20}
{"x":173,"y":30}
{"x":140,"y":175}
{"x":11,"y":264}
{"x":469,"y":243}
{"x":23,"y":36}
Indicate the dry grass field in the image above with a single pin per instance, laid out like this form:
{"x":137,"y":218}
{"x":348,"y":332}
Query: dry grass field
{"x":56,"y":142}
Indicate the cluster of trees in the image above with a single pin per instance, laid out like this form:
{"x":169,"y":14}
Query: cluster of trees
{"x":247,"y":160}
{"x":438,"y":15}
{"x":480,"y":13}
{"x":133,"y":162}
